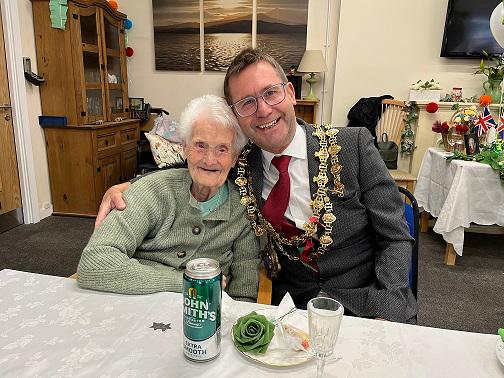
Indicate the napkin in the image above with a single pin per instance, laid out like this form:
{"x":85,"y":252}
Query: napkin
{"x":291,"y":326}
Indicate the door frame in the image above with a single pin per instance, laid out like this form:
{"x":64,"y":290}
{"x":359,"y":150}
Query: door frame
{"x":20,"y":111}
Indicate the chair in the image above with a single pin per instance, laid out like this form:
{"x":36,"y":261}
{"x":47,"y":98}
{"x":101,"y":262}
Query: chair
{"x":411,"y":214}
{"x":264,"y":291}
{"x":392,"y":123}
{"x":145,"y":160}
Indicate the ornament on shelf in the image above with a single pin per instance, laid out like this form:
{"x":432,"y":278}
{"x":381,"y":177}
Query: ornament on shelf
{"x":127,"y":24}
{"x":485,"y":100}
{"x":113,"y":4}
{"x":431,"y":107}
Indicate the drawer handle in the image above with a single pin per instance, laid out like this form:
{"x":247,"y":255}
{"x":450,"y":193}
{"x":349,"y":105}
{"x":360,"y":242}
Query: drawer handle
{"x":128,"y":137}
{"x":106,"y":142}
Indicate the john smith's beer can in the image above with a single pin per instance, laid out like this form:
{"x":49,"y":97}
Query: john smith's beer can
{"x":202,"y":309}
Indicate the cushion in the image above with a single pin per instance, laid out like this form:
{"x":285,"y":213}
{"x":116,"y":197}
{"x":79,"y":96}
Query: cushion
{"x":165,"y":153}
{"x":166,"y":128}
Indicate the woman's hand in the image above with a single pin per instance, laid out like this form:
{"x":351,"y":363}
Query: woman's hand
{"x":223,"y":282}
{"x":112,"y":199}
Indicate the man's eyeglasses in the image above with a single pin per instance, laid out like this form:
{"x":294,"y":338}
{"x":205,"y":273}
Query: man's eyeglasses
{"x":272,"y":96}
{"x":202,"y":148}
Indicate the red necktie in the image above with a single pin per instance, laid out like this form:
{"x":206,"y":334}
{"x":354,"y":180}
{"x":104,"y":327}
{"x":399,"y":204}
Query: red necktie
{"x":275,"y":206}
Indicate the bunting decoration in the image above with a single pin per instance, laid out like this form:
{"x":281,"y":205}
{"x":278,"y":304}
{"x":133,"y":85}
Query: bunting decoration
{"x":58,"y":13}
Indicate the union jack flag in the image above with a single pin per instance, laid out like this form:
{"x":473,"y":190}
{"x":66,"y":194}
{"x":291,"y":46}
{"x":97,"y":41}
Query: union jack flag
{"x":500,"y":127}
{"x":485,"y":121}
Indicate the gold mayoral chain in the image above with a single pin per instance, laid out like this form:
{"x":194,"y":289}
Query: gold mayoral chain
{"x":321,"y":204}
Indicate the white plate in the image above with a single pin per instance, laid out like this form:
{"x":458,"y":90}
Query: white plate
{"x":499,"y":350}
{"x":278,"y":357}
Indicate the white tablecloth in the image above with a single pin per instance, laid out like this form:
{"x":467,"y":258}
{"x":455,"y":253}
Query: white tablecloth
{"x":459,"y":192}
{"x":51,"y":328}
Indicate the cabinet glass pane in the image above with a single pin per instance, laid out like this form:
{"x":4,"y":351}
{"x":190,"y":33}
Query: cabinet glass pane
{"x":91,"y":67}
{"x":114,"y":69}
{"x":111,"y":35}
{"x":116,"y":101}
{"x":94,"y":102}
{"x":89,"y":33}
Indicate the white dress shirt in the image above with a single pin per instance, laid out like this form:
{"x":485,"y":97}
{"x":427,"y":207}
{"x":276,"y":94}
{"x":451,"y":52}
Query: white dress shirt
{"x":299,"y":209}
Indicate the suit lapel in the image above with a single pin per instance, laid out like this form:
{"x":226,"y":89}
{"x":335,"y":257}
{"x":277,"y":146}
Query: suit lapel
{"x":256,"y":172}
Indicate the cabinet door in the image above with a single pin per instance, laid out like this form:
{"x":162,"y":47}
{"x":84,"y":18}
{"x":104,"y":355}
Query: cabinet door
{"x":89,"y":63}
{"x":108,"y":173}
{"x":129,"y":164}
{"x":115,"y":66}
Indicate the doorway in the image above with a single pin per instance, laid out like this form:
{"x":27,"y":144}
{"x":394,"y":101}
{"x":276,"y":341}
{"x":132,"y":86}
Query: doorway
{"x":11,"y":214}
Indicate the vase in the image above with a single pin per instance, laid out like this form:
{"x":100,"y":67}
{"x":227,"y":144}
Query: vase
{"x":493,"y":89}
{"x":459,"y":144}
{"x":446,"y":145}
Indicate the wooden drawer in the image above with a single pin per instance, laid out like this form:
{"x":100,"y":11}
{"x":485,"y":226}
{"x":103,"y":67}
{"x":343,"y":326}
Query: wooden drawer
{"x":106,"y":142}
{"x":129,"y":136}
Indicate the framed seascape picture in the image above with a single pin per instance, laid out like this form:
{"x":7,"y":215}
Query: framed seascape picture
{"x":182,"y":43}
{"x":471,"y":143}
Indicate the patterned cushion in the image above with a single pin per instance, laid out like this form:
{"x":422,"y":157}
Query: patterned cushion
{"x":165,"y":153}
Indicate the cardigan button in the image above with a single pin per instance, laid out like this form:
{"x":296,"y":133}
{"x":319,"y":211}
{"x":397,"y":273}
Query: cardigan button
{"x":181,"y":254}
{"x":196,"y":230}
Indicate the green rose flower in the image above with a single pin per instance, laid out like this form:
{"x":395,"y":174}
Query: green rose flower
{"x":253,"y":333}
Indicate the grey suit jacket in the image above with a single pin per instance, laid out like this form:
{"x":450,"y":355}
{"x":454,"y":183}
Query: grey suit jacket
{"x":367,"y":266}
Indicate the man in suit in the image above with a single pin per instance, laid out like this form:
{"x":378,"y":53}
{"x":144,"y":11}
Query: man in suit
{"x":359,"y":252}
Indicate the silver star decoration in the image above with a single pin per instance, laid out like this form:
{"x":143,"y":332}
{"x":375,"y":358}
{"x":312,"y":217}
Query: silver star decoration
{"x":163,"y":327}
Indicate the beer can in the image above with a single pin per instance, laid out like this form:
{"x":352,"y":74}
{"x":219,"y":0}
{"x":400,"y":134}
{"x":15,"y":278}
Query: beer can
{"x":202,"y":309}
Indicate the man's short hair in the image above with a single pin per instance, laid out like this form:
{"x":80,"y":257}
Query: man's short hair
{"x":246,"y":58}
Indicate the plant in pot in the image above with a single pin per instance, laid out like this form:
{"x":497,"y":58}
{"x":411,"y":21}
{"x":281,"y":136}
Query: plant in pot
{"x":492,"y":66}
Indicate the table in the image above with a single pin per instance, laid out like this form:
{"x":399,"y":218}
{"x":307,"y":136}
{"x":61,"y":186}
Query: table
{"x":50,"y":327}
{"x":458,"y":193}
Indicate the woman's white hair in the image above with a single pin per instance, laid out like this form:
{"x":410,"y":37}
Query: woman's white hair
{"x":213,"y":108}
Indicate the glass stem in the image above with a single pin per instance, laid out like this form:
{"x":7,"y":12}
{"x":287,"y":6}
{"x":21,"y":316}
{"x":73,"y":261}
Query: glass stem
{"x":320,"y":367}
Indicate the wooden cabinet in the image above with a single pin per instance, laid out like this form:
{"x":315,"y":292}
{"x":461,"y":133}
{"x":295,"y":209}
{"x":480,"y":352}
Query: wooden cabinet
{"x":84,"y":66}
{"x":306,"y":110}
{"x":84,"y":161}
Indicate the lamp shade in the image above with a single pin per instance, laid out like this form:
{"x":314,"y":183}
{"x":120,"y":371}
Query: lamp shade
{"x":312,"y":61}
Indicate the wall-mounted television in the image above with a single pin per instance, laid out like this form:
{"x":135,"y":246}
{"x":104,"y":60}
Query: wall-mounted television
{"x":467,"y":29}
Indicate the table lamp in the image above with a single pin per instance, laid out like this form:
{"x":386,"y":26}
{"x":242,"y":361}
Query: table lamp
{"x":312,"y":62}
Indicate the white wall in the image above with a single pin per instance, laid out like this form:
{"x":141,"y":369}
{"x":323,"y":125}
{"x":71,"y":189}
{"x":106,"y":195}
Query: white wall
{"x":33,"y":99}
{"x":385,"y":46}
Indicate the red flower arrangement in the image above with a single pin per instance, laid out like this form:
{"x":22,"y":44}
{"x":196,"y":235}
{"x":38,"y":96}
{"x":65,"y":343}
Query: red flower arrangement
{"x":431,"y":107}
{"x":461,"y":129}
{"x":441,"y":128}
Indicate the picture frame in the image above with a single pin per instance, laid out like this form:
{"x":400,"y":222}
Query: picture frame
{"x":471,"y":143}
{"x":136,"y":103}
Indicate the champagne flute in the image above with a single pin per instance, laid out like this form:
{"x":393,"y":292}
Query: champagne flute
{"x":324,"y":320}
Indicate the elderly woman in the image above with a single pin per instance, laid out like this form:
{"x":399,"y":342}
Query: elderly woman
{"x":177,"y":215}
